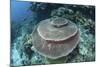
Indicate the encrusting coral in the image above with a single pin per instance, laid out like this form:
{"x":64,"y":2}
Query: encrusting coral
{"x":55,"y":38}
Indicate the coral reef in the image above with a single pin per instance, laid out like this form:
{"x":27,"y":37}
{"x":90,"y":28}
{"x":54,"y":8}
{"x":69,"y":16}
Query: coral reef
{"x":21,"y":34}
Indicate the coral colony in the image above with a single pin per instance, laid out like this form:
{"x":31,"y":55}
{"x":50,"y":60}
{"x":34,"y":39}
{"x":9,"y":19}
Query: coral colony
{"x":55,"y":38}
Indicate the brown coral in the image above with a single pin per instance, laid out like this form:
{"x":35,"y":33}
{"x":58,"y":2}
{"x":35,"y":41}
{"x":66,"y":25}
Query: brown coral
{"x":56,"y":38}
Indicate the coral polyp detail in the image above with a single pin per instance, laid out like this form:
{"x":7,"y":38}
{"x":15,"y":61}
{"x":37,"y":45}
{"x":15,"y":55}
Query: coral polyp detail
{"x":55,"y":42}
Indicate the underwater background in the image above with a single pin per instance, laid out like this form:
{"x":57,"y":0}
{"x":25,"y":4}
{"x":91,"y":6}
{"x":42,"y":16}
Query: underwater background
{"x":25,"y":16}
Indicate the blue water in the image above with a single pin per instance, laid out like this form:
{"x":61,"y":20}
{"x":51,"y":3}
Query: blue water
{"x":20,"y":10}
